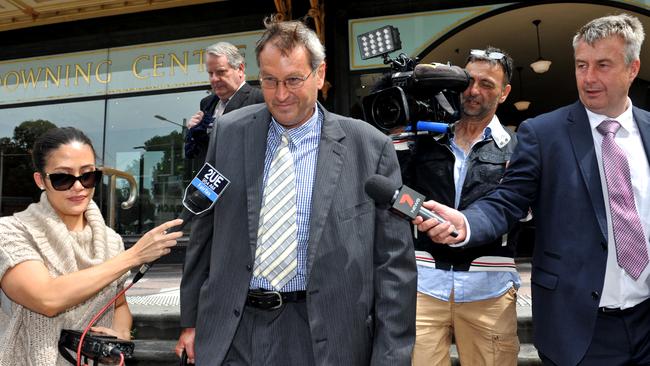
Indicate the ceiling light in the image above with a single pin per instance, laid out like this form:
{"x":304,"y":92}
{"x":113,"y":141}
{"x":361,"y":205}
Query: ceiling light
{"x":540,"y":66}
{"x":522,"y":104}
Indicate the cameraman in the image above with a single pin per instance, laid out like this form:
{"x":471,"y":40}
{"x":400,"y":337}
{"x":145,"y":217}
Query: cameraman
{"x":467,"y":293}
{"x":226,"y":71}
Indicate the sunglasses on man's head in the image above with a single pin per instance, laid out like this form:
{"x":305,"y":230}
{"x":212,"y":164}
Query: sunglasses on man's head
{"x":486,"y":54}
{"x":64,"y":181}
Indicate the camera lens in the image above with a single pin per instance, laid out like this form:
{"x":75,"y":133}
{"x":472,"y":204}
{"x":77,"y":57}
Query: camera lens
{"x":386,"y":111}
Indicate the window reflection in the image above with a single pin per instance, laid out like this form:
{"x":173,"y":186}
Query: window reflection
{"x":127,"y":136}
{"x":151,"y":149}
{"x":19,"y":128}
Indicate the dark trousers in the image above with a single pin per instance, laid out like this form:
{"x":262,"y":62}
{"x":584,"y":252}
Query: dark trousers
{"x":278,"y":337}
{"x":621,"y":338}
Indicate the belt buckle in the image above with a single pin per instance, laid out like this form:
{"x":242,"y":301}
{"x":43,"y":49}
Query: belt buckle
{"x":279,"y":299}
{"x":610,"y":310}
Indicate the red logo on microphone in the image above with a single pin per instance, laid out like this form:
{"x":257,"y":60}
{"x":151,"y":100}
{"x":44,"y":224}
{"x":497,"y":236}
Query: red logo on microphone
{"x":406,"y":198}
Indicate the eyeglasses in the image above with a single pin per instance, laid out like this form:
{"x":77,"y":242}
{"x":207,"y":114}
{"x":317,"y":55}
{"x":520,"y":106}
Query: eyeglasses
{"x":294,"y":82}
{"x":490,"y":55}
{"x":64,"y":181}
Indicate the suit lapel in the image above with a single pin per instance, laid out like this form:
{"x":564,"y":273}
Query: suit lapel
{"x":254,"y":151}
{"x":583,"y":148}
{"x":642,"y":119}
{"x":211,"y":105}
{"x":331,"y":154}
{"x":238,"y":98}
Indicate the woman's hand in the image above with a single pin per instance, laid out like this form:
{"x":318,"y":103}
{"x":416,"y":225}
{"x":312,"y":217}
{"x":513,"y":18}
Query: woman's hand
{"x":111,"y":332}
{"x":156,"y":242}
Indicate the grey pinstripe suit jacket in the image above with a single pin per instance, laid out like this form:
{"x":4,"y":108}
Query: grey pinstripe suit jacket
{"x":361,"y":270}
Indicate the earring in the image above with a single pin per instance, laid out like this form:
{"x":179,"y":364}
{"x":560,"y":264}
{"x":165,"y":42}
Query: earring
{"x":42,"y":188}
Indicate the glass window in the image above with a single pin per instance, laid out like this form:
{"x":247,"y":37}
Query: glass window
{"x":144,"y":137}
{"x":19,"y":127}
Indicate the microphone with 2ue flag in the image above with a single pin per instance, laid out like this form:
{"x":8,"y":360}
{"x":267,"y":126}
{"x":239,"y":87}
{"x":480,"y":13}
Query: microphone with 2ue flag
{"x":202,"y":193}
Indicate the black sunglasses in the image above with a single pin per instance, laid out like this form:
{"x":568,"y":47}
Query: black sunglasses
{"x":64,"y":181}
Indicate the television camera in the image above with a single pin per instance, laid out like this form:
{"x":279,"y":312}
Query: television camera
{"x":412,"y":95}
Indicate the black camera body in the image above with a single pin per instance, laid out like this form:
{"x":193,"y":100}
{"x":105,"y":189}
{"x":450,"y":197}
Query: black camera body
{"x":415,"y":92}
{"x":99,"y":347}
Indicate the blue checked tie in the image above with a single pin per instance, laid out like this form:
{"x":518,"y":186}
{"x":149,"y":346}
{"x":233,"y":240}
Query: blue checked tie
{"x":275,"y":256}
{"x":631,"y":251}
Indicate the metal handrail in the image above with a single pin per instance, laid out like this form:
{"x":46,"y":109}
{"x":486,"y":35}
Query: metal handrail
{"x":112,"y":185}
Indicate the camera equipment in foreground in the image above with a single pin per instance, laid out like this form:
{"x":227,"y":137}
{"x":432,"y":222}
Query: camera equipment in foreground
{"x":411,"y":92}
{"x":97,"y":347}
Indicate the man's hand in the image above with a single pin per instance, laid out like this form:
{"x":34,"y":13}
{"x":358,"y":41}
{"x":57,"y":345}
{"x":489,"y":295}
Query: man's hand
{"x":195,"y":119}
{"x":441,"y":232}
{"x":186,"y":342}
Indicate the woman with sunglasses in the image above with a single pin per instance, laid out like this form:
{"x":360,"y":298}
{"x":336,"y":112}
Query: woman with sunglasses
{"x":59,"y":262}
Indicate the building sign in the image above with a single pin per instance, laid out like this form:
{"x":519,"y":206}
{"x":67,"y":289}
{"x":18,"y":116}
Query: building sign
{"x":154,"y":66}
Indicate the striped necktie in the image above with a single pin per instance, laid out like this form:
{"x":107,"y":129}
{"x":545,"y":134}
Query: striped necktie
{"x":631,"y":251}
{"x":275,"y":256}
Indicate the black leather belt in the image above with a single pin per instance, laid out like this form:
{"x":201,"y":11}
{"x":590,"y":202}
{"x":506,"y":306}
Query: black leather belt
{"x":614,"y":311}
{"x":271,"y":300}
{"x":448,"y":266}
{"x":608,"y":310}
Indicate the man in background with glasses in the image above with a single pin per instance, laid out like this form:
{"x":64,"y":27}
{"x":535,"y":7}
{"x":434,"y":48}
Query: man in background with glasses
{"x":226,"y":70}
{"x":296,"y":266}
{"x":467,"y":293}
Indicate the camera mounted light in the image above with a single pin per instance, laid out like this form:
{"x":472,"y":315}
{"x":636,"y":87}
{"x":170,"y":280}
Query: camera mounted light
{"x":379,"y":42}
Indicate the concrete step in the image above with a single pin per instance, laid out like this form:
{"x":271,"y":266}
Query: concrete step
{"x":165,"y":325}
{"x":154,"y":353}
{"x":527,"y":355}
{"x":161,"y":353}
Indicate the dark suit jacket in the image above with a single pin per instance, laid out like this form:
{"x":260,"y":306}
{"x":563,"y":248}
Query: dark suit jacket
{"x":554,"y":169}
{"x":197,"y":139}
{"x":361,"y":270}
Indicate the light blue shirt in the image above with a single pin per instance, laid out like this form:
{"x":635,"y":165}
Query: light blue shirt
{"x":468,"y":286}
{"x":304,"y":150}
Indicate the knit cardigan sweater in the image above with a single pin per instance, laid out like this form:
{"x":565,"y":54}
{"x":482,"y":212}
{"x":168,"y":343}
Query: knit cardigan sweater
{"x":39,"y":234}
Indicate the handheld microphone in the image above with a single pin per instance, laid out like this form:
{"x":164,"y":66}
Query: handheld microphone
{"x":436,"y":127}
{"x":199,"y":197}
{"x":405,"y":201}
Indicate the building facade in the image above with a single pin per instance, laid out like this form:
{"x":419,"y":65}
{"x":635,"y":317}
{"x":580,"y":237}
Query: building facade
{"x":130,"y":78}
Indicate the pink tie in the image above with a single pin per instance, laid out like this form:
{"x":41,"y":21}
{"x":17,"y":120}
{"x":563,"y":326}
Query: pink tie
{"x":631,"y":250}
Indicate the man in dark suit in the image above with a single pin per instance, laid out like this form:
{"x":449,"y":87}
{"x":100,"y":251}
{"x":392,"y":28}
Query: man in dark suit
{"x":343,"y":289}
{"x":588,"y":185}
{"x":226,"y":70}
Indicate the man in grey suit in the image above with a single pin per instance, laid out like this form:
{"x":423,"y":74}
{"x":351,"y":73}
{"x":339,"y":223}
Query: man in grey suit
{"x":227,"y":73}
{"x":345,"y":291}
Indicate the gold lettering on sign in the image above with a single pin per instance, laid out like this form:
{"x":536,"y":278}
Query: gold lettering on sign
{"x":29,"y":77}
{"x":175,"y":60}
{"x":50,"y":75}
{"x":108,"y":74}
{"x":134,"y":66}
{"x":85,"y":74}
{"x":5,"y":80}
{"x":157,"y":63}
{"x":200,"y":53}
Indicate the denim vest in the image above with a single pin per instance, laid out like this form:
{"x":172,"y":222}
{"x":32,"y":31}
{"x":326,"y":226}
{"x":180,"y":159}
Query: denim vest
{"x":429,"y":169}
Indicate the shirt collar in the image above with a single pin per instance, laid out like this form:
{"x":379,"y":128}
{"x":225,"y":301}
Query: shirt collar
{"x":295,"y":134}
{"x":225,"y":101}
{"x":498,"y":133}
{"x":626,"y":119}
